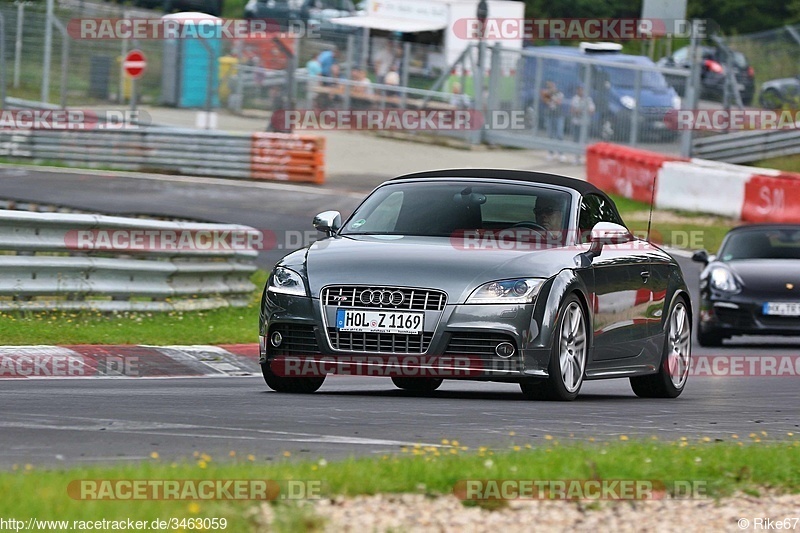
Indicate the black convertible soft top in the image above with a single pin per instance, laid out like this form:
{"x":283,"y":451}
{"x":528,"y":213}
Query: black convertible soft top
{"x":581,"y":186}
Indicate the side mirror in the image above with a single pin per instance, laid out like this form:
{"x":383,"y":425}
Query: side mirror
{"x":328,"y":222}
{"x":700,"y":256}
{"x":610,"y":233}
{"x":605,"y":233}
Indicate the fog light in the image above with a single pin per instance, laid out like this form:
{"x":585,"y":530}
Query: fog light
{"x":276,"y":339}
{"x":504,"y":349}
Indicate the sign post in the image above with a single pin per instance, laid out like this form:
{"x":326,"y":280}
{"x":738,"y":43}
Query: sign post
{"x":134,"y":65}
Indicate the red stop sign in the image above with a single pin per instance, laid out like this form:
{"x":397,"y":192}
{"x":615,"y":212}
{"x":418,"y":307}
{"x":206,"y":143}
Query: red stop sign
{"x":134,"y":63}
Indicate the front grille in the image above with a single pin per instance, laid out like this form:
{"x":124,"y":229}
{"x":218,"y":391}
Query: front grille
{"x":351,"y":341}
{"x":298,"y":339}
{"x":740,"y":318}
{"x":476,"y":343}
{"x":774,"y":321}
{"x":413,"y":299}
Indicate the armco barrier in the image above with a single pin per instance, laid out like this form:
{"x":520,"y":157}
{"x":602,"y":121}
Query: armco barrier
{"x":57,"y":261}
{"x":275,"y":156}
{"x":746,"y":193}
{"x":625,"y":171}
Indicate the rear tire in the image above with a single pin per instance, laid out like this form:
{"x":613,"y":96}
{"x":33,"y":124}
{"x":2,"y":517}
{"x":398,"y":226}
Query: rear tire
{"x":567,"y":358}
{"x":418,"y":384}
{"x":673,"y":371}
{"x":291,"y":385}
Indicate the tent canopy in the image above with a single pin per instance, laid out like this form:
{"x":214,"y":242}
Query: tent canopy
{"x":402,"y":25}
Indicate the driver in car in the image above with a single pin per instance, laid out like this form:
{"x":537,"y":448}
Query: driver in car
{"x":549,"y":214}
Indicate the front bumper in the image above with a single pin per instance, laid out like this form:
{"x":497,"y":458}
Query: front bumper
{"x":459,"y":342}
{"x":743,"y":315}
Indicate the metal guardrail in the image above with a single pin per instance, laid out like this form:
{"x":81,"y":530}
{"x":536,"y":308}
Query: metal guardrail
{"x":58,"y":261}
{"x":747,"y":146}
{"x":270,"y":156}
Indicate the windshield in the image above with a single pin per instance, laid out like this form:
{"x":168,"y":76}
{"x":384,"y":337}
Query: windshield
{"x":447,"y":209}
{"x":626,"y":77}
{"x":762,"y":244}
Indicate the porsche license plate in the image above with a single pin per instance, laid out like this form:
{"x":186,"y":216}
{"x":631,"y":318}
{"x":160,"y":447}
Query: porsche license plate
{"x":782,"y":308}
{"x":383,"y":321}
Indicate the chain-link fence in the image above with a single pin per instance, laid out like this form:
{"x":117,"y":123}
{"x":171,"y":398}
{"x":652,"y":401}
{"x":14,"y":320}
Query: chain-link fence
{"x":772,"y":55}
{"x":553,"y":97}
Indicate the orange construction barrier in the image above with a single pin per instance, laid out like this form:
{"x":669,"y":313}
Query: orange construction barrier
{"x":287,"y":157}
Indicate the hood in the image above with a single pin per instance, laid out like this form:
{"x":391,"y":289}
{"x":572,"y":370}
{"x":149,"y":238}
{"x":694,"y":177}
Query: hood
{"x":768,"y":276}
{"x":649,"y":96}
{"x":430,"y":262}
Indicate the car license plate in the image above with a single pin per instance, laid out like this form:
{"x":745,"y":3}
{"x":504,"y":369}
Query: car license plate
{"x":383,"y":321}
{"x":782,"y":308}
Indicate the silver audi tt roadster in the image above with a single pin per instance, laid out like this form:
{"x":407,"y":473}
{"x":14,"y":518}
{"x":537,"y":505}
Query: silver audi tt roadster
{"x":478,"y":274}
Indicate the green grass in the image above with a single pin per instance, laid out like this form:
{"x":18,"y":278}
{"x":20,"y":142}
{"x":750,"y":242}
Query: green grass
{"x":684,"y":230}
{"x":721,"y":467}
{"x":231,"y":325}
{"x":788,"y":163}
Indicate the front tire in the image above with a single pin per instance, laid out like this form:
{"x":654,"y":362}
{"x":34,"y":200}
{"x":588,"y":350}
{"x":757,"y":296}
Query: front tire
{"x":291,"y":385}
{"x":709,"y":339}
{"x":417,"y":384}
{"x":673,"y":371}
{"x":567,"y":359}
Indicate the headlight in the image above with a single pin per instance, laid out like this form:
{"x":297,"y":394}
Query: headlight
{"x":628,"y":101}
{"x":676,"y":102}
{"x":285,"y":281}
{"x":509,"y":291}
{"x":722,"y":279}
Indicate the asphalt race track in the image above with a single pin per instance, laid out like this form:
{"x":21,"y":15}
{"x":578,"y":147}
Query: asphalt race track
{"x":97,"y":420}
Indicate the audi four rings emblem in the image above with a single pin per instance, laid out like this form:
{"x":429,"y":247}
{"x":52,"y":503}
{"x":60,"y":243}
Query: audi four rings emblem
{"x":381,"y":297}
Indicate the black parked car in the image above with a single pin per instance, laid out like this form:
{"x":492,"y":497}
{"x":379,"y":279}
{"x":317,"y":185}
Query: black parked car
{"x":478,"y":274}
{"x":752,"y":287}
{"x":712,"y":76}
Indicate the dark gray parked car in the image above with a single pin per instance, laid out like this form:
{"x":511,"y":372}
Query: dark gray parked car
{"x":493,"y":275}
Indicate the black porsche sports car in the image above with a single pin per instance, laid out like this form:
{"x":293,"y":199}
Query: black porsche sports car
{"x":496,"y":275}
{"x":752,"y":287}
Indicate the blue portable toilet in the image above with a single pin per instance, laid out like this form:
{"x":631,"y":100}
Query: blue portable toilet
{"x":187,"y":61}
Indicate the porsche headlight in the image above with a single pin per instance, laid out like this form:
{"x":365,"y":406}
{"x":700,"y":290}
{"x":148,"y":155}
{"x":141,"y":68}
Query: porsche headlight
{"x":285,"y":281}
{"x":507,"y":291}
{"x":722,"y":279}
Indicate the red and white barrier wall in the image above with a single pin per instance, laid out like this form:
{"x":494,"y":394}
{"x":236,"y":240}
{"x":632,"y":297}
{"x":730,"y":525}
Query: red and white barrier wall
{"x":747,"y":193}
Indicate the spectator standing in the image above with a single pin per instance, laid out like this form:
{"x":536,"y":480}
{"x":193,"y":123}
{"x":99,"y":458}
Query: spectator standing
{"x":581,"y":109}
{"x":553,"y":100}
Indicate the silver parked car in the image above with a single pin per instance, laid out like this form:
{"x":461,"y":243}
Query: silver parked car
{"x":496,"y":275}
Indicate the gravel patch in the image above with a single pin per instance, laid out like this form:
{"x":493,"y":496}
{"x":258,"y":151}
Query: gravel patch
{"x":420,"y":513}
